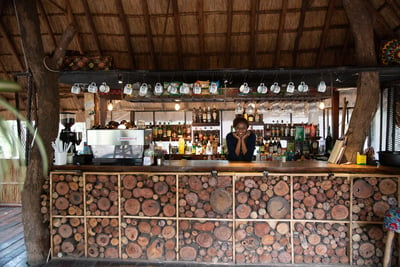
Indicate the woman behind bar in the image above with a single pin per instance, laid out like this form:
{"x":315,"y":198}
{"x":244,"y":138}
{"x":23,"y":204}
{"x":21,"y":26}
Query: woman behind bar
{"x":241,"y":143}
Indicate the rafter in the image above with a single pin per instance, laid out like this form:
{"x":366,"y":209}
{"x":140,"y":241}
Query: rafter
{"x":280,"y":31}
{"x":178,"y":38}
{"x":341,"y":60}
{"x":200,"y":21}
{"x":253,"y":26}
{"x":149,"y":34}
{"x":11,"y":45}
{"x":384,"y":30}
{"x":304,"y":7}
{"x":71,"y":19}
{"x":325,"y":31}
{"x":395,"y":7}
{"x":47,"y":23}
{"x":92,"y":26}
{"x":125,"y":28}
{"x":228,"y":34}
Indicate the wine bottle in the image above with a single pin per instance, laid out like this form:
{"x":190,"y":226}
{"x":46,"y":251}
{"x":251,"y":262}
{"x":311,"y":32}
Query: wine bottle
{"x":328,"y":142}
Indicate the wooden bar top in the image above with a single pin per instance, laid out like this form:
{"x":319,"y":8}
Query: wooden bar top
{"x":309,"y":166}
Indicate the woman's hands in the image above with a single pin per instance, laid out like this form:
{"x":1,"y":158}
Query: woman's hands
{"x":241,"y":136}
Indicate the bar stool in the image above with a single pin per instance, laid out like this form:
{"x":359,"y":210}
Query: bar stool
{"x":391,"y":222}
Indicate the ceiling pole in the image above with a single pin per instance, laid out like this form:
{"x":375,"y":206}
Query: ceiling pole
{"x":380,"y":25}
{"x":304,"y":6}
{"x":280,"y":31}
{"x":253,"y":28}
{"x":178,"y":37}
{"x":200,"y":21}
{"x":125,"y":28}
{"x":324,"y":36}
{"x":92,"y":26}
{"x":149,"y":34}
{"x":47,"y":22}
{"x":228,"y":34}
{"x":72,"y":20}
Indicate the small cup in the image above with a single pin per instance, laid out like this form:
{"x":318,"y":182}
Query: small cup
{"x":128,"y":89}
{"x":158,"y":89}
{"x":143,"y":89}
{"x":104,"y":88}
{"x":92,"y":88}
{"x":244,"y":88}
{"x":322,"y":87}
{"x":275,"y":88}
{"x":262,"y":89}
{"x":197,"y":89}
{"x":60,"y":158}
{"x":290,"y":87}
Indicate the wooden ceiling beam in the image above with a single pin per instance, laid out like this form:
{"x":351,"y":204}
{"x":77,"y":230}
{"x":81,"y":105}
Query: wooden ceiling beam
{"x":200,"y":21}
{"x":92,"y":26}
{"x":280,"y":31}
{"x":47,"y":23}
{"x":71,"y":19}
{"x":341,"y":60}
{"x":395,"y":7}
{"x":228,"y":34}
{"x":325,"y":31}
{"x":149,"y":34}
{"x":253,"y":37}
{"x":11,"y":45}
{"x":126,"y":29}
{"x":379,"y":22}
{"x":300,"y":30}
{"x":178,"y":37}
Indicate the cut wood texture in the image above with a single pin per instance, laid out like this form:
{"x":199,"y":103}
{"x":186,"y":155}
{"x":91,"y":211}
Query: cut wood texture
{"x":223,"y":233}
{"x":187,"y":253}
{"x":387,"y":186}
{"x":281,"y":188}
{"x":278,"y":207}
{"x":155,"y":250}
{"x":362,"y":189}
{"x":133,"y":250}
{"x":221,"y":201}
{"x":340,"y":212}
{"x":132,"y":206}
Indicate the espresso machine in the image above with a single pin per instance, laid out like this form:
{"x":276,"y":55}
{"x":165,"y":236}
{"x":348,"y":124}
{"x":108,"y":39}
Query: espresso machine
{"x":67,"y":136}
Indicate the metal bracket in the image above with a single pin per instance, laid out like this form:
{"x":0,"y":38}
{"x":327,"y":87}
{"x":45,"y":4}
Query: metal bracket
{"x":214,"y":173}
{"x":265,"y":173}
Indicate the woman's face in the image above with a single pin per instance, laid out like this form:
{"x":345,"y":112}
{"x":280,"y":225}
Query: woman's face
{"x":241,"y":129}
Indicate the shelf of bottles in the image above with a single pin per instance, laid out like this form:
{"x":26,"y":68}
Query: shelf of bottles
{"x":284,"y":141}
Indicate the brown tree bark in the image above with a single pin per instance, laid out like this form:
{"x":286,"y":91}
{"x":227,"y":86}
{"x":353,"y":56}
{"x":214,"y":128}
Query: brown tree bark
{"x":368,"y":82}
{"x":46,"y":83}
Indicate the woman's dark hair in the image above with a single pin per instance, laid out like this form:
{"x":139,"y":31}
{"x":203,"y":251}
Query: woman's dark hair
{"x":238,"y":120}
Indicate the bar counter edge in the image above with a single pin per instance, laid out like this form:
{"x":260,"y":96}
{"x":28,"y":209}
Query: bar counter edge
{"x":226,"y":166}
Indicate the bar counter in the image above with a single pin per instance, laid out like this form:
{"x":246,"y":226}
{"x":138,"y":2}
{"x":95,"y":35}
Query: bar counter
{"x":215,"y":211}
{"x":308,"y":166}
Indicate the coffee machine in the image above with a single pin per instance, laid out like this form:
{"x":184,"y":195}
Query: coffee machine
{"x":68,"y":136}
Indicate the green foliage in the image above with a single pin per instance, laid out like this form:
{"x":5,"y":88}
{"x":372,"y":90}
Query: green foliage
{"x":10,"y":137}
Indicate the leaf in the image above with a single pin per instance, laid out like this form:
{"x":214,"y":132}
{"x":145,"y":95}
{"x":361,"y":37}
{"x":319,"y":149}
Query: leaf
{"x":9,"y":86}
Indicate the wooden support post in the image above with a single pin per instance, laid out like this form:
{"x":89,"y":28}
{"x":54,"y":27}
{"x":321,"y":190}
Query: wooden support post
{"x":335,"y":115}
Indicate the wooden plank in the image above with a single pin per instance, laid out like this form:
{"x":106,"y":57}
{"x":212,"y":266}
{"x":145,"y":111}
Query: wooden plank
{"x":228,"y":34}
{"x":200,"y":19}
{"x":91,"y":26}
{"x":149,"y":34}
{"x":178,"y":38}
{"x":280,"y":31}
{"x":125,"y":28}
{"x":300,"y":29}
{"x":325,"y":31}
{"x":72,"y":20}
{"x":11,"y":45}
{"x":47,"y":23}
{"x":253,"y":29}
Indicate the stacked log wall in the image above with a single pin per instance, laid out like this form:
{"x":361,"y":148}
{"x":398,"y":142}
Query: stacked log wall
{"x":242,"y":218}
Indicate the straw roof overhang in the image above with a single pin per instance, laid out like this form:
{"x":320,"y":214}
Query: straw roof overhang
{"x":174,"y":36}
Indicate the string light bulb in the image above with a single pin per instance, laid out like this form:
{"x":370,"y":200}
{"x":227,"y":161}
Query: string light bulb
{"x":177,"y":106}
{"x":321,"y":105}
{"x":110,"y":106}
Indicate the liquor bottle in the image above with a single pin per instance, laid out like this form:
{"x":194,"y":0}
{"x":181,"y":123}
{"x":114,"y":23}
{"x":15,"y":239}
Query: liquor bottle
{"x":250,"y":118}
{"x":164,"y":130}
{"x":275,"y":146}
{"x":270,"y":146}
{"x":169,"y":131}
{"x":160,"y":132}
{"x":328,"y":141}
{"x":257,"y":116}
{"x":179,"y":132}
{"x":199,"y":115}
{"x":279,"y":147}
{"x":287,"y":130}
{"x":282,"y":130}
{"x":214,"y":115}
{"x":209,"y":115}
{"x":155,"y":132}
{"x":273,"y":129}
{"x":204,"y":116}
{"x":292,"y":130}
{"x":268,"y":131}
{"x":194,"y":115}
